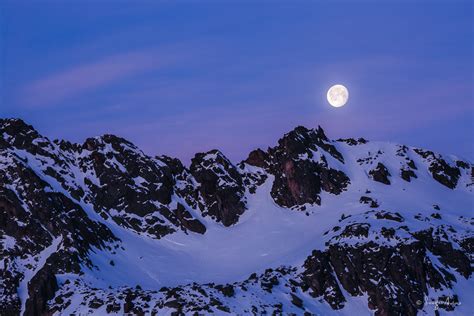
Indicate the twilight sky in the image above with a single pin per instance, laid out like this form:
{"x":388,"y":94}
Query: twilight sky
{"x":179,"y":78}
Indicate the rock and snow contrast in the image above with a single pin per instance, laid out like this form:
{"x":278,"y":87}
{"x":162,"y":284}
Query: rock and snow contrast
{"x":311,"y":226}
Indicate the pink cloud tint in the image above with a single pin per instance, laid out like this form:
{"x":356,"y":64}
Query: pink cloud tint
{"x":59,"y":86}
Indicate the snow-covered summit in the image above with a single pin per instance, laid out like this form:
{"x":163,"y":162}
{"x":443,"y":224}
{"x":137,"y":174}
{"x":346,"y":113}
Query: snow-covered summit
{"x":309,"y":225}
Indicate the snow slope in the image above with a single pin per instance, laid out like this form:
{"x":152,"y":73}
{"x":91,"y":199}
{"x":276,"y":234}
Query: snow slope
{"x":265,"y":236}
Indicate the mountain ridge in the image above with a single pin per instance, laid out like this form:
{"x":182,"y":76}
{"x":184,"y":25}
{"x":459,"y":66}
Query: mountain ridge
{"x":215,"y":211}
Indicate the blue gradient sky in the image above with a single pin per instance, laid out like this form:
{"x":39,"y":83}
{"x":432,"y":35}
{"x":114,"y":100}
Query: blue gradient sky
{"x":178,"y":78}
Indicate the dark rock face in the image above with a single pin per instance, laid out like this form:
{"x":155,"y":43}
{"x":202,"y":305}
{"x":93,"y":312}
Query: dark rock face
{"x":407,"y":174}
{"x":295,"y":300}
{"x":78,"y":232}
{"x":41,"y":289}
{"x":297,"y":184}
{"x":21,"y":135}
{"x":407,"y":171}
{"x":380,"y":174}
{"x":258,"y":158}
{"x":188,"y":221}
{"x":319,"y":277}
{"x":220,"y":185}
{"x":440,"y":169}
{"x":10,"y":302}
{"x":352,"y":141}
{"x":299,"y":175}
{"x":252,"y":179}
{"x":389,"y":216}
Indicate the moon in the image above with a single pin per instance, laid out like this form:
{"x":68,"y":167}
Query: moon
{"x":338,"y":95}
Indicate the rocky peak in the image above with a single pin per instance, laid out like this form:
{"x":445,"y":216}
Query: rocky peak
{"x":16,"y":127}
{"x":67,"y":146}
{"x":301,"y":168}
{"x":175,"y":165}
{"x":217,"y":165}
{"x":116,"y":143}
{"x":302,"y":141}
{"x":112,"y":152}
{"x":18,"y":134}
{"x":210,"y":159}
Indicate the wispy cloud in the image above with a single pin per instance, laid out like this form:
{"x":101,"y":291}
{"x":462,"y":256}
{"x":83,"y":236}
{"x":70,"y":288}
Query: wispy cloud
{"x":59,"y":86}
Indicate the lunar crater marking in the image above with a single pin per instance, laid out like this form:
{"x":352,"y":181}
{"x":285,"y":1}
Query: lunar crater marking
{"x":338,"y":95}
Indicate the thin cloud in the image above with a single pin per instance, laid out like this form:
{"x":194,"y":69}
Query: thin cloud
{"x":59,"y":86}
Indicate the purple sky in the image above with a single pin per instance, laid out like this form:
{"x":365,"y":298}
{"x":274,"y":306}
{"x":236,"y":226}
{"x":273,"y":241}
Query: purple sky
{"x":178,"y":78}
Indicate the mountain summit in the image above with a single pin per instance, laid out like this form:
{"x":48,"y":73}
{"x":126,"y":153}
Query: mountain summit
{"x":309,"y":226}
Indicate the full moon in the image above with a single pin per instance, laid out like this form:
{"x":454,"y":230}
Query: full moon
{"x":338,"y":95}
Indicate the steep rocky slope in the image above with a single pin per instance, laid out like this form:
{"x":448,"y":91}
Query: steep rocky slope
{"x":311,"y":225}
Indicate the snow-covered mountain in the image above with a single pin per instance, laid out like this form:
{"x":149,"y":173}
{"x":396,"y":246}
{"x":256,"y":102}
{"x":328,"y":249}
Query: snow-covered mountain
{"x":309,"y":226}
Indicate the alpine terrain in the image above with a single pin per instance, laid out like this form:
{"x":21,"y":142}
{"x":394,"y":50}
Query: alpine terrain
{"x":309,"y":226}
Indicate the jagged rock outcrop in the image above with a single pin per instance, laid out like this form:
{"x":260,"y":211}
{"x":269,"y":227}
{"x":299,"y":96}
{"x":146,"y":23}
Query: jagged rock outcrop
{"x":380,"y":174}
{"x":133,"y":189}
{"x":441,"y":171}
{"x":32,"y":214}
{"x":300,"y":166}
{"x":352,"y":141}
{"x":220,"y":185}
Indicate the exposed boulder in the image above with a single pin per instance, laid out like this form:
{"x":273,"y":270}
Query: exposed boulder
{"x":368,"y":200}
{"x":397,"y":217}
